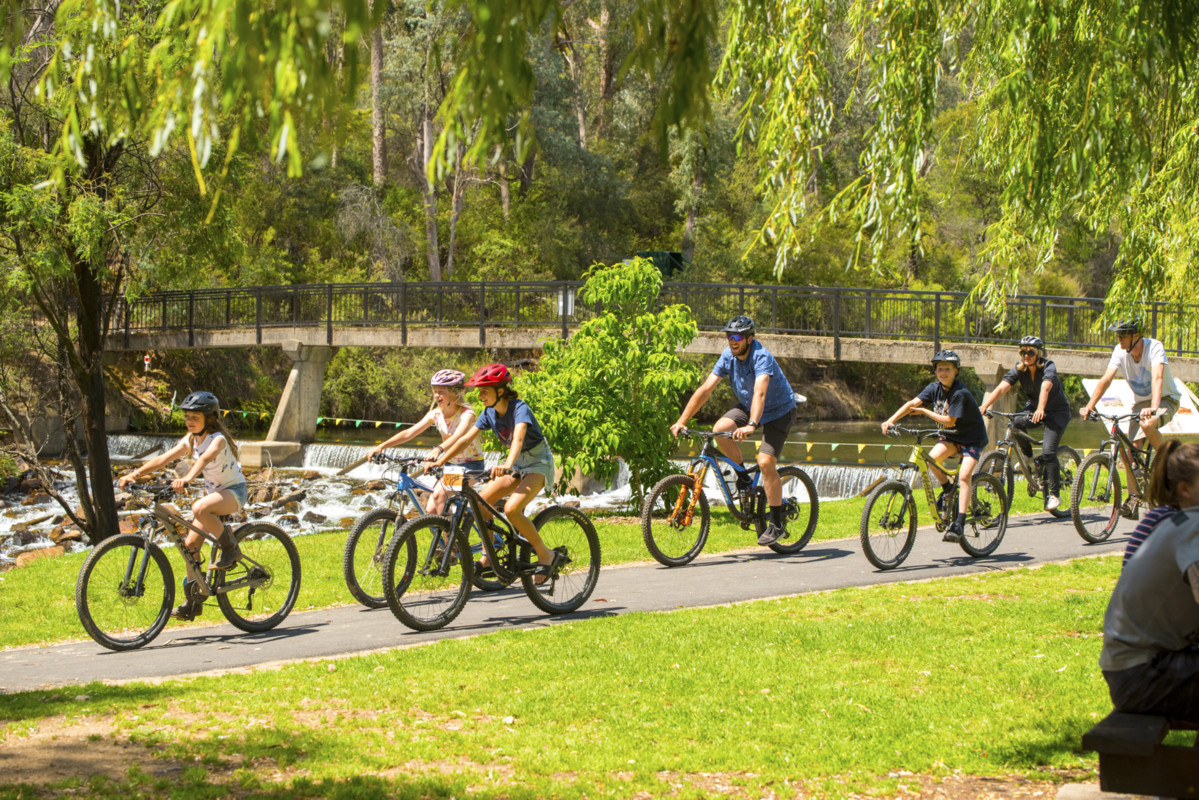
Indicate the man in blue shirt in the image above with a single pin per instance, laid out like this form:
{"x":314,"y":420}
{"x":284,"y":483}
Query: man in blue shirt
{"x":765,"y":400}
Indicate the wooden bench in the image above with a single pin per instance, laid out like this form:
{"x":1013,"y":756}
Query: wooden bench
{"x":1133,"y":760}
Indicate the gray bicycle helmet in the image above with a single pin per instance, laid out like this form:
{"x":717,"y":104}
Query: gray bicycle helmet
{"x":1034,"y":341}
{"x":949,"y":356}
{"x":741,"y":325}
{"x":204,"y":402}
{"x":1126,"y":326}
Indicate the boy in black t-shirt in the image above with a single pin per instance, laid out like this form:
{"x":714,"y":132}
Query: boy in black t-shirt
{"x":947,"y":402}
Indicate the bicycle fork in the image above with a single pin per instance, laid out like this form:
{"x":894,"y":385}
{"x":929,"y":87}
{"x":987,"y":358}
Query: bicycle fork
{"x":680,"y":516}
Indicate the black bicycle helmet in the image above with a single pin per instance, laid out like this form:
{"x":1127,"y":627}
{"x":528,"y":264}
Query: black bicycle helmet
{"x":204,"y":402}
{"x":947,"y":355}
{"x":1126,"y":326}
{"x":740,"y":324}
{"x":1033,"y":341}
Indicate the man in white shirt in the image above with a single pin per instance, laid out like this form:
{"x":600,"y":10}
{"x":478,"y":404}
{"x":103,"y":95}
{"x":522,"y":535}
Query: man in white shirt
{"x":1145,"y":367}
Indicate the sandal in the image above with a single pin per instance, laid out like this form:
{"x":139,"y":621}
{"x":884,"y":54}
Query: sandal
{"x":484,"y":571}
{"x":544,"y":571}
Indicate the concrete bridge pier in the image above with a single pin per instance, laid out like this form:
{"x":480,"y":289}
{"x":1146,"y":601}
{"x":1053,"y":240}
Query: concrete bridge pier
{"x":991,"y":373}
{"x":299,"y":407}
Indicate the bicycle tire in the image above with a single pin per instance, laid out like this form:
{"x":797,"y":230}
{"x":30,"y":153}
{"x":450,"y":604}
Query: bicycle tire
{"x":887,"y":541}
{"x":362,"y":561}
{"x":1000,"y":465}
{"x":801,"y":509}
{"x":569,"y":532}
{"x":670,"y":542}
{"x":1068,"y":462}
{"x":270,"y":566}
{"x":423,"y":591}
{"x":986,"y":519}
{"x":111,"y":614}
{"x":476,"y":549}
{"x":1095,"y":513}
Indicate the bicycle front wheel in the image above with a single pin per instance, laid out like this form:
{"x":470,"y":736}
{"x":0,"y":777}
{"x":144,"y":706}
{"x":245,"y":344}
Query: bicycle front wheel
{"x":362,"y":562}
{"x":124,"y":592}
{"x":986,"y":517}
{"x":427,"y":573}
{"x":259,"y":591}
{"x":1095,"y":497}
{"x":569,"y":533}
{"x":999,"y":464}
{"x":801,"y":509}
{"x":888,"y":525}
{"x":673,"y":532}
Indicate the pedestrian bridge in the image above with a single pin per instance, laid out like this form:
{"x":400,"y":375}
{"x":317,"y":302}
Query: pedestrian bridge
{"x":804,"y":322}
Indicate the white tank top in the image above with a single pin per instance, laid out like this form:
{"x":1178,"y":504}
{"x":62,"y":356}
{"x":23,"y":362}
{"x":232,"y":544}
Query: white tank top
{"x":445,"y":427}
{"x":224,"y":470}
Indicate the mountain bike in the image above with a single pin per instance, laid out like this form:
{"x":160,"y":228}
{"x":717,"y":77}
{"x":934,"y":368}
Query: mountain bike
{"x":370,"y":534}
{"x":428,"y":568}
{"x":126,"y":587}
{"x":889,"y":518}
{"x":1095,"y":497}
{"x":675,"y":517}
{"x":1007,"y":459}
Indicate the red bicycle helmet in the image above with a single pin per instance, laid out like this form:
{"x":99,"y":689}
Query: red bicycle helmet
{"x":491,"y":375}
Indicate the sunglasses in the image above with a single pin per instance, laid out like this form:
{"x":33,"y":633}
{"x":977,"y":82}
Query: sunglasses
{"x":735,"y":337}
{"x":1028,"y":352}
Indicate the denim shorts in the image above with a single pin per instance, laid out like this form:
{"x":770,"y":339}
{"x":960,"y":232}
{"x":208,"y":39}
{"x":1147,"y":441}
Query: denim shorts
{"x":539,"y":459}
{"x":238,"y":490}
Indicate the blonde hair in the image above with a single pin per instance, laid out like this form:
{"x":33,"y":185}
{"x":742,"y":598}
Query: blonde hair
{"x":213,"y":424}
{"x":1175,"y":463}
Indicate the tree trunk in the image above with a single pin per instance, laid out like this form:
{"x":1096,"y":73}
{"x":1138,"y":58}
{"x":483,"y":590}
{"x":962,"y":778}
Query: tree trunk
{"x":458,"y":195}
{"x":697,"y":186}
{"x":429,"y":195}
{"x":573,"y":56}
{"x":607,"y":76}
{"x":378,"y":129}
{"x":505,"y":196}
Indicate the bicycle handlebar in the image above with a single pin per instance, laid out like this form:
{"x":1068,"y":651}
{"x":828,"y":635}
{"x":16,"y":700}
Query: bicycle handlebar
{"x":705,"y":434}
{"x":1095,"y":416}
{"x":920,"y":433}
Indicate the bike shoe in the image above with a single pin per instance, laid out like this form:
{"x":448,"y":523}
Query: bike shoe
{"x":190,"y":608}
{"x":1129,"y":509}
{"x":953,"y":534}
{"x":484,"y":571}
{"x":771,"y":535}
{"x":1053,"y":503}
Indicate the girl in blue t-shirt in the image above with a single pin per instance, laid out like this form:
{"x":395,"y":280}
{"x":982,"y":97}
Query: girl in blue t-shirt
{"x":947,"y":402}
{"x":513,"y":423}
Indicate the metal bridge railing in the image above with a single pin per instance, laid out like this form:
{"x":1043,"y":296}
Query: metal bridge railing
{"x":1063,"y":322}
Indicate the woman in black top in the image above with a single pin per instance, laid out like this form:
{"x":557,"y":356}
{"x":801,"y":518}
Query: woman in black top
{"x":1047,"y":405}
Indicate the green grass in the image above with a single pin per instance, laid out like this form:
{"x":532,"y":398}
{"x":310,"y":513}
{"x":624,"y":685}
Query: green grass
{"x":833,"y":694}
{"x":39,"y":600}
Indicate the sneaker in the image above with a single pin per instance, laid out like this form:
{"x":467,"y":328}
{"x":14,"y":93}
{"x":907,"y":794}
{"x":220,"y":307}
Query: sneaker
{"x":1053,"y":503}
{"x":771,"y":535}
{"x":953,"y":534}
{"x":1129,"y":509}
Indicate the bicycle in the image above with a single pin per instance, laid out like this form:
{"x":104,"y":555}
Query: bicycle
{"x":1095,"y":497}
{"x":889,"y":518}
{"x":370,"y":534}
{"x":126,"y":587}
{"x":1007,"y":459}
{"x":668,"y":524}
{"x":427,"y":577}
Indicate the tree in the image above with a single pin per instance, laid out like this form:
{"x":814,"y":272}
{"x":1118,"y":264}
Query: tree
{"x":612,"y":389}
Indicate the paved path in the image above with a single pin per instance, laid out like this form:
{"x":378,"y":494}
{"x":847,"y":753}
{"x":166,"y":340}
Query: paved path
{"x":729,"y":578}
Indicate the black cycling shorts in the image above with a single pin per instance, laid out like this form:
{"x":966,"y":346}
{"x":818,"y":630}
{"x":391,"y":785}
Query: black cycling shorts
{"x":774,"y":433}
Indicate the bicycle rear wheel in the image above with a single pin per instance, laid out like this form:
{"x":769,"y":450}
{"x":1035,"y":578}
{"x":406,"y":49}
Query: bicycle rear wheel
{"x":1095,"y":497}
{"x":986,"y":517}
{"x":888,"y":525}
{"x":259,"y":591}
{"x":425,"y":577}
{"x":673,"y":535}
{"x":569,"y":533}
{"x":124,"y":592}
{"x":1002,"y":466}
{"x":362,"y":562}
{"x":801,"y":509}
{"x":1068,"y":461}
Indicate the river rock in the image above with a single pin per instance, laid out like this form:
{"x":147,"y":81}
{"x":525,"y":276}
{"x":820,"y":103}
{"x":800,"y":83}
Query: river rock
{"x":29,"y":556}
{"x":288,"y":521}
{"x":367,"y":503}
{"x":312,"y":475}
{"x":29,"y":483}
{"x":293,"y":497}
{"x":314,"y":518}
{"x":256,"y":513}
{"x":375,"y":485}
{"x":347,"y":522}
{"x":36,"y":499}
{"x":292,"y":508}
{"x":264,"y":495}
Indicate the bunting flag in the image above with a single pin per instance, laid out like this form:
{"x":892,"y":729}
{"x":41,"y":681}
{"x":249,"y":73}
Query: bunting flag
{"x":833,"y":446}
{"x":861,"y":447}
{"x":809,"y":445}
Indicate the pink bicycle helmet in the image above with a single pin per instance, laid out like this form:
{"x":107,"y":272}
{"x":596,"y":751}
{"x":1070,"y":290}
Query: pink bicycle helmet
{"x":447,"y":377}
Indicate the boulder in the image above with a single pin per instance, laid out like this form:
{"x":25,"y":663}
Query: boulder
{"x":36,"y":499}
{"x":291,"y":497}
{"x":312,"y":475}
{"x":347,"y":522}
{"x":29,"y":556}
{"x":288,"y":521}
{"x":375,"y":485}
{"x":314,"y":518}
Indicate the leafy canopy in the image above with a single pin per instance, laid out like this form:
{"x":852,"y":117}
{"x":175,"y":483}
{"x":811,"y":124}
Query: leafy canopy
{"x":612,"y":389}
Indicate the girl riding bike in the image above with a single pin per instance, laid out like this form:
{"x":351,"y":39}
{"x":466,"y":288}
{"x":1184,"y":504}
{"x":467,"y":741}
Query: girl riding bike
{"x":214,"y":455}
{"x":453,"y":419}
{"x":512,"y":421}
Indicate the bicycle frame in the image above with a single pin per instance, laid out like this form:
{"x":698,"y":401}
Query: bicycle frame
{"x":918,"y":462}
{"x":1118,"y":443}
{"x":710,"y":458}
{"x":1032,"y":471}
{"x":468,"y":499}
